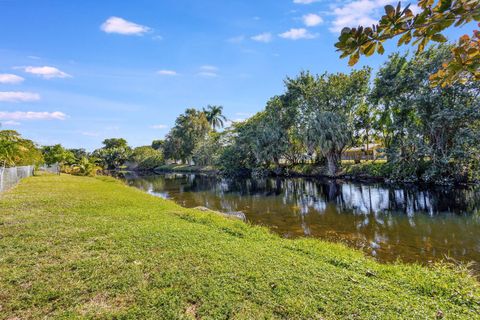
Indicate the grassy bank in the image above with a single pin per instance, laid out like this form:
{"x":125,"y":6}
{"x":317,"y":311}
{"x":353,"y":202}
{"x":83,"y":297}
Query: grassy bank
{"x":76,"y":247}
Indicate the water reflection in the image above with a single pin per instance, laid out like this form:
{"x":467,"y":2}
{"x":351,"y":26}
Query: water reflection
{"x":412,"y":224}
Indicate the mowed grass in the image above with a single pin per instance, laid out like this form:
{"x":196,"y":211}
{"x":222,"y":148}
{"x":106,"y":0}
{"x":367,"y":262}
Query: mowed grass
{"x":75,"y":247}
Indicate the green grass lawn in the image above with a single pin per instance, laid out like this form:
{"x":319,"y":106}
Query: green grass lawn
{"x":75,"y":247}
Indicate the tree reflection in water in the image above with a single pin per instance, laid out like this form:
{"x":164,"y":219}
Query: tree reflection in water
{"x":409,"y":223}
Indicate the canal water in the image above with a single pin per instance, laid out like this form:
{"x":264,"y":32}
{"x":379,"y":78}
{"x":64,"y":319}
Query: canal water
{"x":412,"y":224}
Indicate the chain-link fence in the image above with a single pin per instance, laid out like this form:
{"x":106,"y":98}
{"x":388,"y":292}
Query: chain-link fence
{"x":11,"y":176}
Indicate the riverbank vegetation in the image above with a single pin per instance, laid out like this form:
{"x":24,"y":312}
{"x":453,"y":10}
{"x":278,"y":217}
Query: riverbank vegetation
{"x":428,"y":134}
{"x":80,"y":247}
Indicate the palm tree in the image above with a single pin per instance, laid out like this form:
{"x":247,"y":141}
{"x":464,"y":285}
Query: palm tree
{"x":214,"y":116}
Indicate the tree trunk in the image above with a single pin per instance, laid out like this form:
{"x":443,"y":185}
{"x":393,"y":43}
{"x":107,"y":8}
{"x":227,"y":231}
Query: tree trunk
{"x":333,"y":160}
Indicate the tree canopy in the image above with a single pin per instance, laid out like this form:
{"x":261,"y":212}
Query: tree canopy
{"x":17,"y":151}
{"x":419,"y":29}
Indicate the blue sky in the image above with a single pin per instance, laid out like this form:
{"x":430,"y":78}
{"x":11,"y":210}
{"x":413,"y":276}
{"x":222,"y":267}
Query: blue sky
{"x":77,"y":72}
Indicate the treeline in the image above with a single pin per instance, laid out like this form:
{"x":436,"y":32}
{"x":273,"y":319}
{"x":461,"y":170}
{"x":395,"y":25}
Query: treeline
{"x":114,"y":155}
{"x":429,"y":133}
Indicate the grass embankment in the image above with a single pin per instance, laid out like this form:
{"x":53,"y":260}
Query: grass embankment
{"x":74,"y":247}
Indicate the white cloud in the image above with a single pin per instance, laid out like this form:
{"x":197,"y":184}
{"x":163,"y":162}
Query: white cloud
{"x":46,"y":72}
{"x":312,"y":20}
{"x":296,"y":34}
{"x":159,"y":126}
{"x":167,"y":72}
{"x":305,"y":1}
{"x":8,"y":78}
{"x":358,"y":12}
{"x":263,"y":37}
{"x":18,"y":96}
{"x":31,"y":115}
{"x":208,"y":71}
{"x":11,"y":123}
{"x":122,"y":26}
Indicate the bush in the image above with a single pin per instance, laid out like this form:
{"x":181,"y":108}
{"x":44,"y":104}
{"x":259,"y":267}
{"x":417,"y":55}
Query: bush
{"x":151,"y":162}
{"x":146,"y":158}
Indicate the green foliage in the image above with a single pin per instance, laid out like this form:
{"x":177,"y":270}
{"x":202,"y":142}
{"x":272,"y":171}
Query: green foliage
{"x":158,"y":144}
{"x":431,"y":133}
{"x":190,"y":129}
{"x":147,"y":158}
{"x":17,"y":151}
{"x":115,"y":143}
{"x":79,"y":153}
{"x":102,"y":250}
{"x":85,"y":167}
{"x":461,"y":65}
{"x":58,"y":154}
{"x":370,"y":170}
{"x":207,"y":151}
{"x":114,"y":154}
{"x":215,"y":117}
{"x":327,"y":107}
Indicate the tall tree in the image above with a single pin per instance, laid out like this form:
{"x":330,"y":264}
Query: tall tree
{"x":328,"y":103}
{"x":190,"y":128}
{"x":434,"y":132}
{"x":215,"y":116}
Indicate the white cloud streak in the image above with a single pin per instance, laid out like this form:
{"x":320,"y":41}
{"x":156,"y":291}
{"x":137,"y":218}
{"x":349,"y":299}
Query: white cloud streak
{"x":18,"y":96}
{"x":46,"y":72}
{"x":122,"y":26}
{"x":263,"y":37}
{"x":31,"y":115}
{"x":167,"y":72}
{"x":312,"y":20}
{"x":297,"y":34}
{"x":11,"y":123}
{"x":8,"y":78}
{"x":208,"y":71}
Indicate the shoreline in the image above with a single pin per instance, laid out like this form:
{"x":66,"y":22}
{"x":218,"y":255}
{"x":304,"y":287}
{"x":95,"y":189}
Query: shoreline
{"x":358,"y":178}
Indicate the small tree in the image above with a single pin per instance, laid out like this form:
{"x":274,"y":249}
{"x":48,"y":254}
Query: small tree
{"x":114,"y":154}
{"x":57,"y":154}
